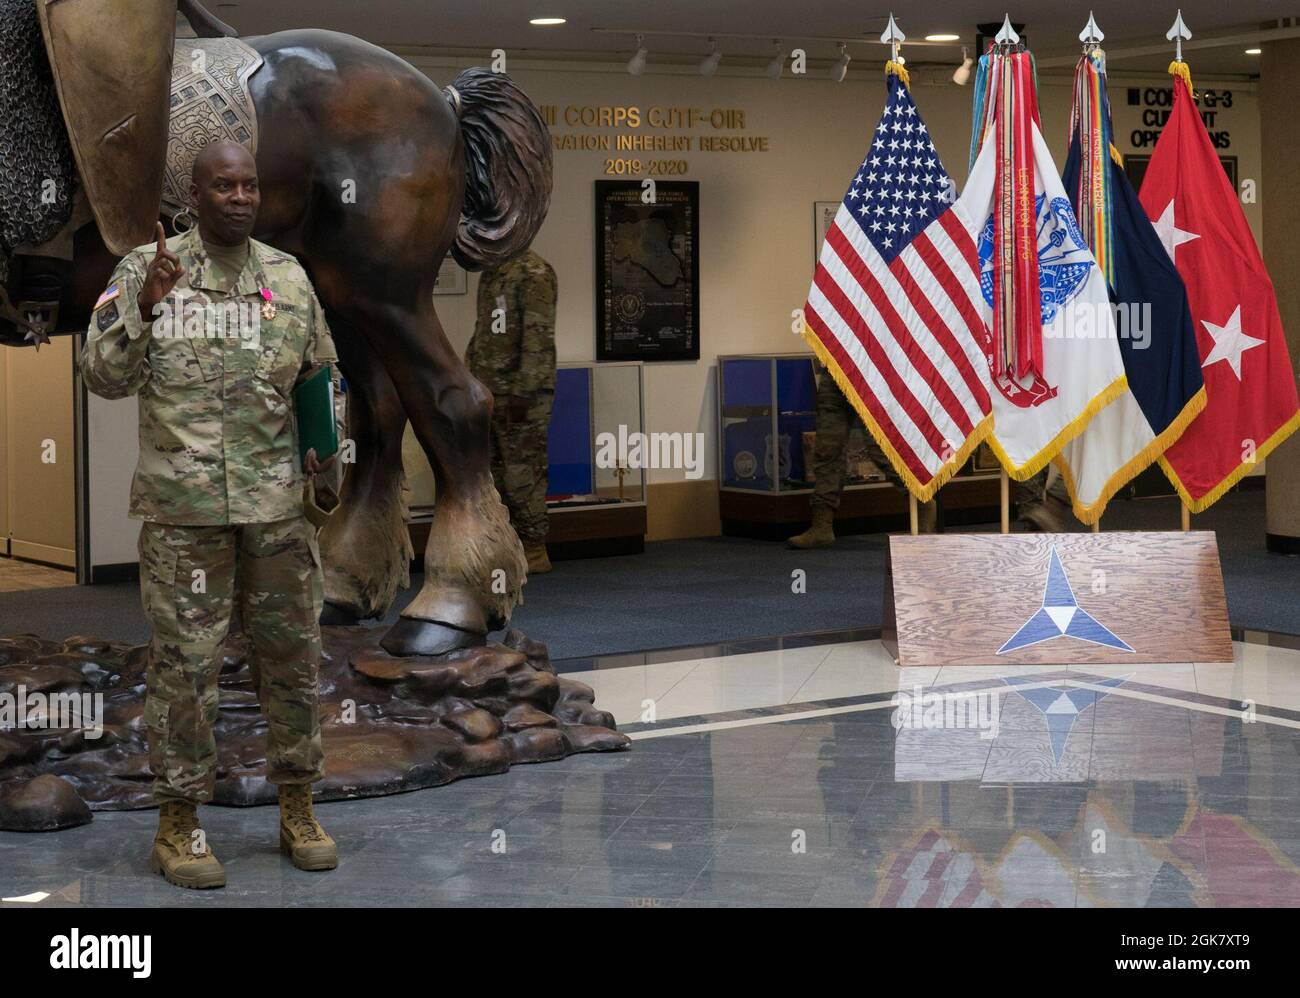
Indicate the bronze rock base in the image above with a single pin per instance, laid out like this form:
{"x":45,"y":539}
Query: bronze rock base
{"x":389,"y":724}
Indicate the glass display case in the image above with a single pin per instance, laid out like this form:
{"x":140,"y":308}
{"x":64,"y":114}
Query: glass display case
{"x":598,"y":413}
{"x":767,"y":409}
{"x":767,"y":429}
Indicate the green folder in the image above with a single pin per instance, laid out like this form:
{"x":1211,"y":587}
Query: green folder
{"x":313,"y":406}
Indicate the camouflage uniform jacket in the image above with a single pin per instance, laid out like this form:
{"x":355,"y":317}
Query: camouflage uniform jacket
{"x":217,"y":432}
{"x":520,"y":358}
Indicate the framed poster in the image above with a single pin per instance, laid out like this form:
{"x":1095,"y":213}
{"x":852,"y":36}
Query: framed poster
{"x":647,"y":271}
{"x":823,"y":215}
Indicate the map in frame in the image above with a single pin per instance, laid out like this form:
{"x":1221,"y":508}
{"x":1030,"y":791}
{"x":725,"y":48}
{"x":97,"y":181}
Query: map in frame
{"x":647,"y":271}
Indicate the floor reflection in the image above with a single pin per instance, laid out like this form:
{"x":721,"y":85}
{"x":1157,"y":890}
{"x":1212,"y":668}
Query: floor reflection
{"x":1056,"y":790}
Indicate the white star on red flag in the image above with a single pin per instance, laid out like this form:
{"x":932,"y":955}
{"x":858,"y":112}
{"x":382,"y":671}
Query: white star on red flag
{"x":1170,"y":234}
{"x":1229,"y":342}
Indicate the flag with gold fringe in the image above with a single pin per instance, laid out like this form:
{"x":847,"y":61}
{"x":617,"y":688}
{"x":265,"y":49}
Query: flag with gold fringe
{"x":1051,"y":345}
{"x":894,"y":307}
{"x":1156,"y":338}
{"x":1250,"y":389}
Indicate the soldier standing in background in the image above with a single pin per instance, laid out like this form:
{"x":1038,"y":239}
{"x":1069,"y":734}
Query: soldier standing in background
{"x":212,"y":330}
{"x":1043,"y":503}
{"x":512,"y":353}
{"x":835,"y":418}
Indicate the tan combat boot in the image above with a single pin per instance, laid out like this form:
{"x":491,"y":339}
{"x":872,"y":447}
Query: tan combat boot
{"x":822,"y":532}
{"x":1050,"y":516}
{"x":538,"y":560}
{"x":301,"y":837}
{"x":174,"y":846}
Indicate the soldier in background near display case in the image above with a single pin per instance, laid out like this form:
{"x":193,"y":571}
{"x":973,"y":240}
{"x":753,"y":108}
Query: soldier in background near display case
{"x":835,"y":418}
{"x":512,"y":353}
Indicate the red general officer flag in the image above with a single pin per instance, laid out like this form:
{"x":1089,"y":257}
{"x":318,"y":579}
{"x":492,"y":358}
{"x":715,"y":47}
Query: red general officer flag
{"x":1251,"y":404}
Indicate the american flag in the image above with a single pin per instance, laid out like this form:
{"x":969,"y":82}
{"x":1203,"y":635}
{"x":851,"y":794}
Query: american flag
{"x":895,"y":310}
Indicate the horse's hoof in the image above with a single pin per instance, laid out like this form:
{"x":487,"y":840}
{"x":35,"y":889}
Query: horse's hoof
{"x":411,"y":636}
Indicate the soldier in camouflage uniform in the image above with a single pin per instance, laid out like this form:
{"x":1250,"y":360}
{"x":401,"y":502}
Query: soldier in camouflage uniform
{"x":512,"y":352}
{"x":212,"y":330}
{"x":835,"y":418}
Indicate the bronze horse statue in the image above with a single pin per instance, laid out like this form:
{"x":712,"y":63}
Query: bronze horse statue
{"x":466,"y":171}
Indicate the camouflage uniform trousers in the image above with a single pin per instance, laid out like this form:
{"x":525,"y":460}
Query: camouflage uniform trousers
{"x":273,"y":571}
{"x":519,"y":466}
{"x":835,"y":419}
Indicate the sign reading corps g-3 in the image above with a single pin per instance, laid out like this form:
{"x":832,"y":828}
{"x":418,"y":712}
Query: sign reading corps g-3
{"x":1156,"y":103}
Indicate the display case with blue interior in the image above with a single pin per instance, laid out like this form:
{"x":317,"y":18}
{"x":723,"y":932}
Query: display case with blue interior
{"x":767,"y":425}
{"x":596,"y":487}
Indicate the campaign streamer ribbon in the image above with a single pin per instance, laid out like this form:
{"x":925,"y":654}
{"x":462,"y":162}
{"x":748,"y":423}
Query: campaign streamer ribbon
{"x":1090,"y":119}
{"x":1017,"y":311}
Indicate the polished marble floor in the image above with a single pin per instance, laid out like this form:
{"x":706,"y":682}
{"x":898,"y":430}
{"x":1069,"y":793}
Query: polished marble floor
{"x":807,"y":772}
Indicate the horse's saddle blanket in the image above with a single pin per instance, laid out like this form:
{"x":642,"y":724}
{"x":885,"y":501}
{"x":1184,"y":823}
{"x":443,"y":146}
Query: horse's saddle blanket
{"x":209,"y":101}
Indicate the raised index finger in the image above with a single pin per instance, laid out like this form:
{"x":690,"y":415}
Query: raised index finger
{"x":162,"y":237}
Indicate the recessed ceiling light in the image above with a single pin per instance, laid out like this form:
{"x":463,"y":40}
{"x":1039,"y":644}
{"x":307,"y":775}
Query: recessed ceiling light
{"x":546,"y":22}
{"x":1253,"y":51}
{"x":943,"y":38}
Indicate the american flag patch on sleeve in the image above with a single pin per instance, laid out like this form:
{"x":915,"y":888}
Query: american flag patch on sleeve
{"x":113,"y":291}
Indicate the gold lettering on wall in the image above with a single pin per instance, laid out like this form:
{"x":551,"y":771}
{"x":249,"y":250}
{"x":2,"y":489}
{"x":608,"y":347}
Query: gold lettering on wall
{"x":631,"y":128}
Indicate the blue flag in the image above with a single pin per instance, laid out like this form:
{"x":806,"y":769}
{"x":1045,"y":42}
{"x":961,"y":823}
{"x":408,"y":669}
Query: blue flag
{"x":1156,"y":337}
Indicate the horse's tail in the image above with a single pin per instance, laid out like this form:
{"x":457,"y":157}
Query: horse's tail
{"x":507,"y":168}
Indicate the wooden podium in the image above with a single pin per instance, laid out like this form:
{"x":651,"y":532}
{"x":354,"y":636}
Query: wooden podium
{"x":1055,"y":599}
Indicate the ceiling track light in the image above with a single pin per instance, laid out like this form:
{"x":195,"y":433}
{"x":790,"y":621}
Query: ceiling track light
{"x":777,"y":63}
{"x":840,"y":68}
{"x":709,"y":64}
{"x":961,"y":76}
{"x":636,"y":65}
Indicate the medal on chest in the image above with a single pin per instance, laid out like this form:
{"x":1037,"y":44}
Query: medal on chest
{"x":268,"y":303}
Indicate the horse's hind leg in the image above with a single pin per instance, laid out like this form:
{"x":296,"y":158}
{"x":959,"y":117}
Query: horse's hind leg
{"x":474,"y":565}
{"x":365,"y":546}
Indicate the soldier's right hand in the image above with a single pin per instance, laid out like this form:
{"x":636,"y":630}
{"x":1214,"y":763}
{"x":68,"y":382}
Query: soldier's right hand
{"x":164,"y":271}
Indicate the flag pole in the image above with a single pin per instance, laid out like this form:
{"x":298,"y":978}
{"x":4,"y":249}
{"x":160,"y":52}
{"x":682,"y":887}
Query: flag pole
{"x":1006,"y":502}
{"x":1096,"y":525}
{"x":1176,"y":33}
{"x":1006,"y":38}
{"x":912,"y":514}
